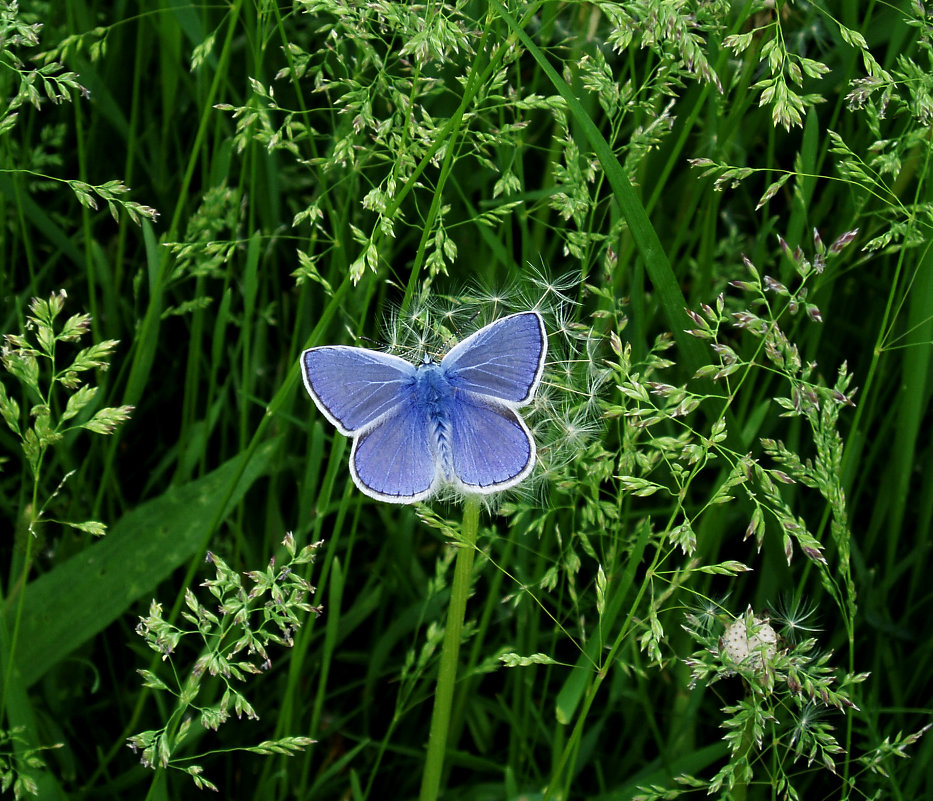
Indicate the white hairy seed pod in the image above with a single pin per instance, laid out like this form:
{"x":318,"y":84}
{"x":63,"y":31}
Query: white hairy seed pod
{"x":749,"y":638}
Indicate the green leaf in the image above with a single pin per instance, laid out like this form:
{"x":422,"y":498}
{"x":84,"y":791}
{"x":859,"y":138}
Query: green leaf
{"x":9,"y":408}
{"x":24,"y":366}
{"x":516,"y":660}
{"x":96,"y":356}
{"x":600,"y":591}
{"x":75,"y":327}
{"x":152,"y":681}
{"x":31,"y":449}
{"x":45,"y":336}
{"x":106,"y":420}
{"x":78,"y":401}
{"x":94,"y":527}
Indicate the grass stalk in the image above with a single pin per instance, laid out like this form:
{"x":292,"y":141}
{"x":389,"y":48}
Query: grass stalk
{"x":450,"y":652}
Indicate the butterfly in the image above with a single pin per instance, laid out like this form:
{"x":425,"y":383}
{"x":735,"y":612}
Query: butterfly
{"x":416,"y":428}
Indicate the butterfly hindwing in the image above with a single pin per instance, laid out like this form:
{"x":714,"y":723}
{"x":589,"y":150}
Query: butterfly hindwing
{"x":353,"y":387}
{"x":393,"y":459}
{"x":504,"y":359}
{"x":491,"y":448}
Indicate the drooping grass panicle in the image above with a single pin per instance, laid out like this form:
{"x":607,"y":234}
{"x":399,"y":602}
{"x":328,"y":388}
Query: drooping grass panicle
{"x":229,"y":640}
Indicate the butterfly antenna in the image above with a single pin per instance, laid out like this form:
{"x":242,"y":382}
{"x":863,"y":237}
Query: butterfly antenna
{"x":454,"y":332}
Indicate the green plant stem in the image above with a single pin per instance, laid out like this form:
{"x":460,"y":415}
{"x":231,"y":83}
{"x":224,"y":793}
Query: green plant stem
{"x":450,"y":651}
{"x":740,"y":788}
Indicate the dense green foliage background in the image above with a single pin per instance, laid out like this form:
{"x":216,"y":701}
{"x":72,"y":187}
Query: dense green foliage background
{"x":329,"y":171}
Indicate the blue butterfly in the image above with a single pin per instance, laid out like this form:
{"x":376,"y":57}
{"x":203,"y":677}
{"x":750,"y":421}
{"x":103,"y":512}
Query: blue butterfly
{"x":417,"y":428}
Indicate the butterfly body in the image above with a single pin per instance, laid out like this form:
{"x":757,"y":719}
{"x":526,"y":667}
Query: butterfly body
{"x":417,"y":428}
{"x":434,"y":393}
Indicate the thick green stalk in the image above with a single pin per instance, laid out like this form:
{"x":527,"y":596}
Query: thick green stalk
{"x":450,"y":651}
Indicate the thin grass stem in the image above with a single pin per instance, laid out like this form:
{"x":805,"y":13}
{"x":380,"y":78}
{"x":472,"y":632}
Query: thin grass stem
{"x":450,"y":652}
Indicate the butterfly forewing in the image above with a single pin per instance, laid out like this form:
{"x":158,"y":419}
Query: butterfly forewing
{"x":503,"y":360}
{"x":393,"y":461}
{"x":354,"y":387}
{"x":490,"y":445}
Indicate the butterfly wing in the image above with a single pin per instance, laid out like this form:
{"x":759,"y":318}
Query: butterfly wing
{"x":393,"y":460}
{"x":491,"y":447}
{"x":354,"y":387}
{"x":503,"y":360}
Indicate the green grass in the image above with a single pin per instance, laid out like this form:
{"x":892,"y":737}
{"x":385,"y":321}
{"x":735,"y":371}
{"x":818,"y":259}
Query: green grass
{"x":734,"y":419}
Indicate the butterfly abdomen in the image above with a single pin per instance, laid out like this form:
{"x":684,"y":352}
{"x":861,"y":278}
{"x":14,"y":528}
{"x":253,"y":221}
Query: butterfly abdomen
{"x":435,"y":396}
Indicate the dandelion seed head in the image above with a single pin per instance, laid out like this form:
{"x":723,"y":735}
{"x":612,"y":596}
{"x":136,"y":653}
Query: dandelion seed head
{"x":750,"y":639}
{"x":704,"y":617}
{"x":564,"y":416}
{"x":796,"y":617}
